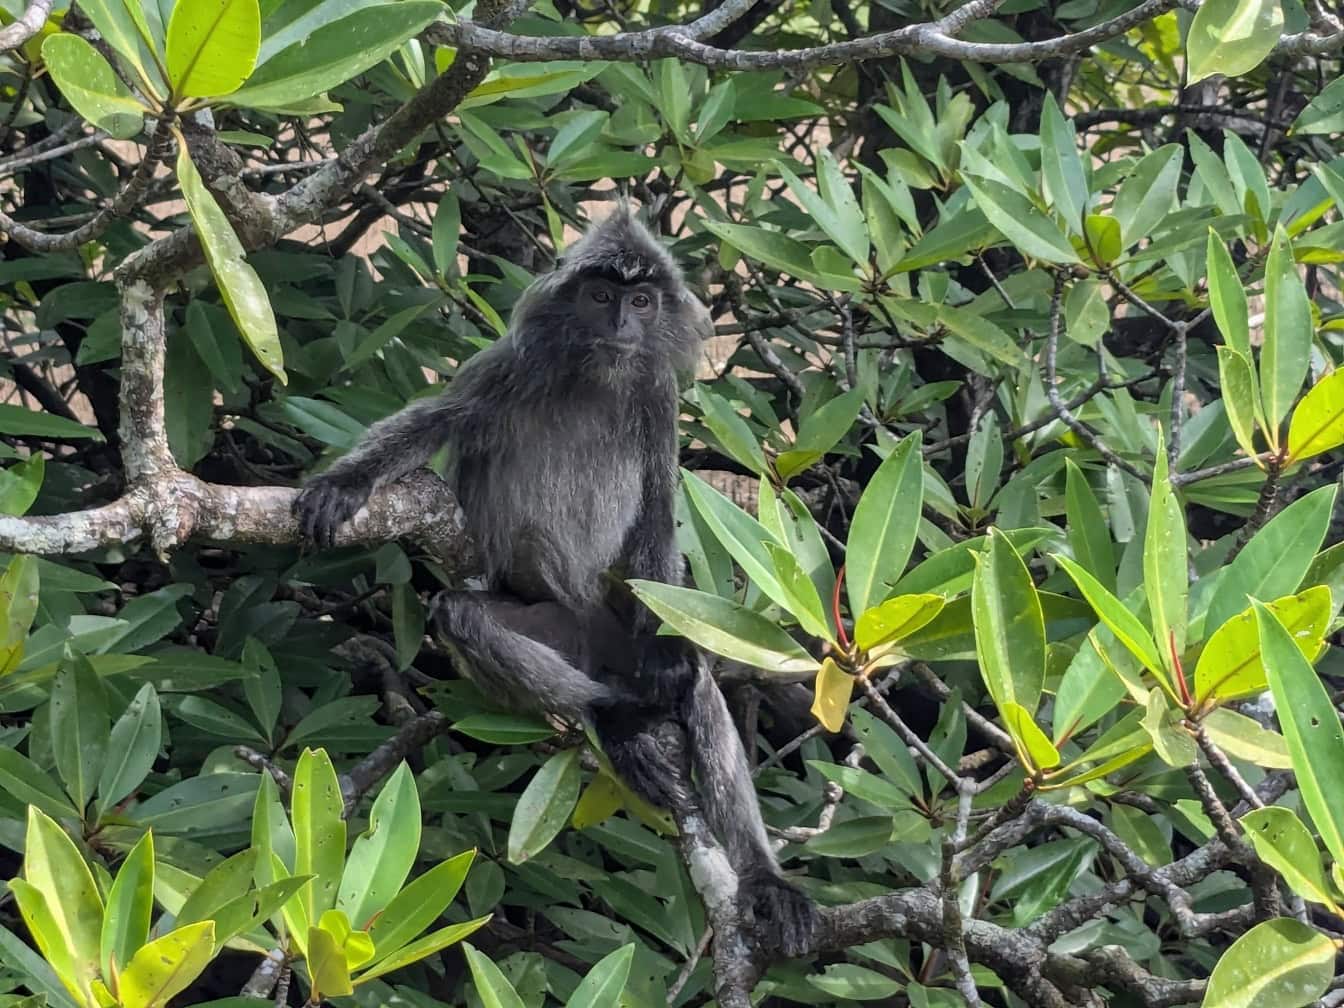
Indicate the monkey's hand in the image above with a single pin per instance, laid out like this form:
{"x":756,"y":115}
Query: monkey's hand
{"x":329,"y":501}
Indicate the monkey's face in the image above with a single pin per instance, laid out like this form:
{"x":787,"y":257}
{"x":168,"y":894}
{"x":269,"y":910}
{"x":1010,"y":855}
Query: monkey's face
{"x":618,"y":318}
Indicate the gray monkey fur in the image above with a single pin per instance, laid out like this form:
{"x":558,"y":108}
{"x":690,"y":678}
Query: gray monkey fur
{"x":564,"y":457}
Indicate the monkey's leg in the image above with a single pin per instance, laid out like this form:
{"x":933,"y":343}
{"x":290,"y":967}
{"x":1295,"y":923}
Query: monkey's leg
{"x":495,"y":635}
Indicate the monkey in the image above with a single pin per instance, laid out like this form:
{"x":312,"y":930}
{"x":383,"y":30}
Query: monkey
{"x":563,"y":455}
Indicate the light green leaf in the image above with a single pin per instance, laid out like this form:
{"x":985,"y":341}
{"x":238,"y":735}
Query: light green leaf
{"x":1112,"y":612}
{"x":1062,"y":173}
{"x":603,"y":985}
{"x":382,"y":855}
{"x":780,"y":252}
{"x":1311,"y":726}
{"x":327,"y":965}
{"x":492,"y":987}
{"x":1148,"y":194}
{"x":1286,"y":351}
{"x":91,"y":85}
{"x":1009,"y":627}
{"x":882,"y":532}
{"x":895,"y":618}
{"x":1033,"y":233}
{"x":129,"y":905}
{"x":1325,"y":112}
{"x":426,"y":946}
{"x":1227,"y":297}
{"x":212,"y":46}
{"x":334,"y":53}
{"x":1279,"y":963}
{"x":724,"y":627}
{"x":319,"y":830}
{"x":242,"y":289}
{"x":418,"y":905}
{"x":1236,"y":379}
{"x":544,"y":806}
{"x":732,"y":432}
{"x":1243,"y":738}
{"x":1165,"y":565}
{"x":1034,"y":747}
{"x":1231,"y":37}
{"x":1283,"y":842}
{"x":804,"y":602}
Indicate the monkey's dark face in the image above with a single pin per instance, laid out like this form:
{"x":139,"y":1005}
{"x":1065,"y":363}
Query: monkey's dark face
{"x":617,"y":317}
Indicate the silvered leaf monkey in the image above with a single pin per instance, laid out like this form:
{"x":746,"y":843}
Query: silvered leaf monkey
{"x":563,"y":455}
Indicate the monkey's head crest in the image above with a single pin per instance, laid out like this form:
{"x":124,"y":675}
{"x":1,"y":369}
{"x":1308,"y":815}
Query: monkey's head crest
{"x":622,"y":250}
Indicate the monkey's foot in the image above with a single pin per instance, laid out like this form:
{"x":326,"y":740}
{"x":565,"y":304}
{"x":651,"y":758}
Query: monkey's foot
{"x":326,"y":503}
{"x":784,"y":920}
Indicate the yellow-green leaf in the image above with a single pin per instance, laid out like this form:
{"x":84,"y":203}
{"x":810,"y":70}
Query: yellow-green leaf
{"x":896,"y":618}
{"x":1231,"y":667}
{"x":54,"y":867}
{"x":1280,"y":963}
{"x":165,"y":967}
{"x":327,"y":965}
{"x":1318,"y":422}
{"x":212,"y":46}
{"x":1284,"y":843}
{"x":1232,"y":37}
{"x":238,"y":282}
{"x":1033,"y":745}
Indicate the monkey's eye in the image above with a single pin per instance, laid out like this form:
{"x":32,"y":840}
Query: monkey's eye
{"x":601,"y":296}
{"x":640,"y":301}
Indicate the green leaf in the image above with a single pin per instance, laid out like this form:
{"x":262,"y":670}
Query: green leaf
{"x":882,"y":532}
{"x":1101,"y":233}
{"x":491,"y":986}
{"x":1112,"y":612}
{"x":1065,"y":182}
{"x":1227,"y":297}
{"x":1236,"y":379}
{"x":57,"y":957}
{"x":124,"y":27}
{"x":1279,"y":963}
{"x":1009,"y":626}
{"x":603,"y":985}
{"x":842,"y":220}
{"x":1034,"y":234}
{"x":843,"y":982}
{"x":1325,"y":112}
{"x":724,"y":627}
{"x":18,"y":605}
{"x":132,"y":748}
{"x":239,"y":284}
{"x":1243,"y":738}
{"x":129,"y":905}
{"x":27,"y":783}
{"x":504,"y":729}
{"x":418,"y":905}
{"x":1231,"y":37}
{"x":447,"y":229}
{"x":1311,"y":726}
{"x":804,"y":602}
{"x":18,"y":421}
{"x":544,"y":806}
{"x":1276,"y":558}
{"x":1231,"y":665}
{"x":1089,"y":533}
{"x":212,"y":46}
{"x":382,"y":856}
{"x":1283,"y":842}
{"x":334,"y":53}
{"x":823,"y":428}
{"x":885,"y":748}
{"x":53,"y":866}
{"x":1286,"y":350}
{"x":895,"y":618}
{"x":1166,"y":580}
{"x":1148,"y":194}
{"x":426,"y":946}
{"x":91,"y":85}
{"x":1088,"y":689}
{"x":319,"y":830}
{"x":20,"y":485}
{"x":1318,"y":422}
{"x":732,"y":432}
{"x":782,"y":253}
{"x":80,"y":726}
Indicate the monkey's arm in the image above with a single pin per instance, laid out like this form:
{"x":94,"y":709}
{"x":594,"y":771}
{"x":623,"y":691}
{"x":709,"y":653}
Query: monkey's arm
{"x":389,"y":449}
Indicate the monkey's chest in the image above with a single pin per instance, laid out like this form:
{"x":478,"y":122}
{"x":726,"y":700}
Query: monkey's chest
{"x":553,"y":512}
